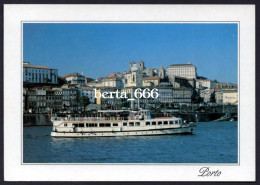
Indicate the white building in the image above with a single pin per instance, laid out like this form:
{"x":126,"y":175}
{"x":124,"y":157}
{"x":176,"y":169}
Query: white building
{"x":133,"y":79}
{"x":96,"y":83}
{"x":206,"y":94}
{"x":89,"y":92}
{"x":75,"y":79}
{"x":113,"y":82}
{"x":230,"y":97}
{"x":204,"y":83}
{"x":39,"y":74}
{"x":182,"y":70}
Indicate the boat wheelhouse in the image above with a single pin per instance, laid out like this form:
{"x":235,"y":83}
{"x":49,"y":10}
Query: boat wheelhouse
{"x":116,"y":123}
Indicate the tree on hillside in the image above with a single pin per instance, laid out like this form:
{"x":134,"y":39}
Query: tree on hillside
{"x":84,"y":101}
{"x":212,"y":98}
{"x":195,"y":98}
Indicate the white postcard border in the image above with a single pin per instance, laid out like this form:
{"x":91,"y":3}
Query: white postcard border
{"x":15,"y":14}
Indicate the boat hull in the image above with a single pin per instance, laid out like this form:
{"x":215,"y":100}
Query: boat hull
{"x":169,"y":131}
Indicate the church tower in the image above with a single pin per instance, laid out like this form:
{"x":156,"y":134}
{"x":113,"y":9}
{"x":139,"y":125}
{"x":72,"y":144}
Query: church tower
{"x":131,"y":65}
{"x":141,"y":65}
{"x":161,"y":73}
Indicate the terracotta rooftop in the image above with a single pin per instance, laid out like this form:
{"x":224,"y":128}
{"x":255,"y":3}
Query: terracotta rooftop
{"x":151,"y":78}
{"x":113,"y":78}
{"x":72,"y":74}
{"x":112,"y":75}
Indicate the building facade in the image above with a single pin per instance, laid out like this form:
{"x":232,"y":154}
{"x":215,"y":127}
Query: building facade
{"x":230,"y":97}
{"x":108,"y":103}
{"x":70,"y":98}
{"x":206,"y":94}
{"x":88,"y":92}
{"x":74,"y":79}
{"x":204,"y":83}
{"x":180,"y":82}
{"x":112,"y":82}
{"x":225,"y":86}
{"x":182,"y":70}
{"x":39,"y":74}
{"x":221,"y":88}
{"x":182,"y":95}
{"x":151,"y":81}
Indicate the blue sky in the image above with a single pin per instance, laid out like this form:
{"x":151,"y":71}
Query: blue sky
{"x":98,"y":49}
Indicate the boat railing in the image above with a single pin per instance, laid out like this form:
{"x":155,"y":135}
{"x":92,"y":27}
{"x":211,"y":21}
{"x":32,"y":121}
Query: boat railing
{"x":86,"y":118}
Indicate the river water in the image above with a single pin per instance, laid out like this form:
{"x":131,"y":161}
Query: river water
{"x":212,"y":142}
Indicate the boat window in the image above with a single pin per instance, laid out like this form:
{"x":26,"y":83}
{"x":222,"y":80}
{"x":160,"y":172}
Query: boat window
{"x":165,"y":122}
{"x":115,"y":124}
{"x":101,"y":124}
{"x":86,"y":124}
{"x":176,"y":121}
{"x":124,"y":124}
{"x":147,"y":123}
{"x":159,"y":122}
{"x":92,"y":125}
{"x":76,"y":124}
{"x":81,"y":125}
{"x":65,"y":124}
{"x":131,"y":123}
{"x":137,"y":123}
{"x":153,"y":123}
{"x":107,"y":125}
{"x":171,"y":122}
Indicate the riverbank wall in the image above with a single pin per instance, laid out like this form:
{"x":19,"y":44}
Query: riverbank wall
{"x":199,"y":117}
{"x":36,"y":120}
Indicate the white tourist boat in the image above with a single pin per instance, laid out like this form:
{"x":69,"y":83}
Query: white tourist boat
{"x":137,"y":123}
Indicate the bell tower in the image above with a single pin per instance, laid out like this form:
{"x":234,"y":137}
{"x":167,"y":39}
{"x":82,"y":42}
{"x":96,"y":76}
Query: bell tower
{"x":161,"y":73}
{"x":141,"y":65}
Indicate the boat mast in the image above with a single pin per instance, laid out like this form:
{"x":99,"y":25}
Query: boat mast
{"x":138,"y":104}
